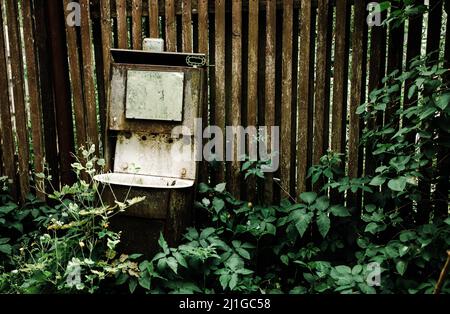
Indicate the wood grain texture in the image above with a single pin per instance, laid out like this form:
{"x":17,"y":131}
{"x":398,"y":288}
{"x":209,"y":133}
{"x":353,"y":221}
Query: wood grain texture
{"x":252,"y":87}
{"x":46,"y":91}
{"x":304,"y":105}
{"x":270,"y":86}
{"x":340,"y":81}
{"x":322,"y":88}
{"x":6,"y":132}
{"x":34,"y":97}
{"x":203,"y":43}
{"x":88,"y":75}
{"x":356,"y":88}
{"x":236,"y":91}
{"x":219,"y":116}
{"x":122,"y":28}
{"x":106,"y":28}
{"x":20,"y":114}
{"x":76,"y":82}
{"x":171,"y":26}
{"x":286,"y":99}
{"x":203,"y":26}
{"x":153,"y":12}
{"x":187,"y":26}
{"x":136,"y":24}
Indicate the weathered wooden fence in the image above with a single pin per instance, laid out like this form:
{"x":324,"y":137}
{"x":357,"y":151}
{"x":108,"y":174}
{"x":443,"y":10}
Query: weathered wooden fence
{"x":302,"y":65}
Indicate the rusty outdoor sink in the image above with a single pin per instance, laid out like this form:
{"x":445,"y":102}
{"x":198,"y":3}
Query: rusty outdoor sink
{"x":151,"y":94}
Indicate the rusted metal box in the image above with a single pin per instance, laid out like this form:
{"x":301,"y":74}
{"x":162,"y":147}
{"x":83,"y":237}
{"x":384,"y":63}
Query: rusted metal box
{"x":151,"y":93}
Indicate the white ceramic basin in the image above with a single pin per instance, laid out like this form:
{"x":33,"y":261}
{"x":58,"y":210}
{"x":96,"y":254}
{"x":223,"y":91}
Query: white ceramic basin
{"x":143,"y":181}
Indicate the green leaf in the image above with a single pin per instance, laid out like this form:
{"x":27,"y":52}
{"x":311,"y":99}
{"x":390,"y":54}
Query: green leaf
{"x":180,"y":259}
{"x":220,"y":187}
{"x":340,"y":211}
{"x":343,"y":269}
{"x":284,"y":259}
{"x":377,"y":181}
{"x":322,"y":203}
{"x":244,"y":253}
{"x":443,"y":101}
{"x":224,"y":280}
{"x":233,"y":281}
{"x":302,"y":224}
{"x":323,"y":223}
{"x":398,"y":184}
{"x":132,"y":285}
{"x":401,"y":266}
{"x":173,"y":264}
{"x":163,"y":244}
{"x":6,"y":209}
{"x":308,"y":197}
{"x":447,"y":221}
{"x":6,"y":249}
{"x":430,"y":110}
{"x":203,"y":188}
{"x":406,"y":236}
{"x":361,"y":109}
{"x":357,"y":269}
{"x":145,"y":282}
{"x":412,"y":90}
{"x":218,"y":204}
{"x":244,"y":271}
{"x":206,"y":233}
{"x":371,"y":228}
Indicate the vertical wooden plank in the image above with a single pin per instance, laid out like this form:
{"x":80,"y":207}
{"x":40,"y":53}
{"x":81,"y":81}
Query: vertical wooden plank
{"x":322,"y":101}
{"x":15,"y":46}
{"x":304,"y":95}
{"x":286,"y":99}
{"x":6,"y":134}
{"x":376,"y":73}
{"x":88,"y":75}
{"x":424,"y":207}
{"x":34,"y":97}
{"x":252,"y":86}
{"x":413,"y":50}
{"x":61,"y":91}
{"x":76,"y":80}
{"x":236,"y":91}
{"x":203,"y":26}
{"x":122,"y":32}
{"x":46,"y":91}
{"x":153,"y":18}
{"x":269,"y":117}
{"x":136,"y":25}
{"x":105,"y":16}
{"x":219,"y":117}
{"x":340,"y":82}
{"x":203,"y":48}
{"x":394,"y":62}
{"x":356,"y":91}
{"x":187,"y":26}
{"x":171,"y":26}
{"x":99,"y":78}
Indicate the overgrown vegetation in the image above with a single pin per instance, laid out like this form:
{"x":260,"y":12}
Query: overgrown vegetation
{"x":395,"y":242}
{"x":316,"y":245}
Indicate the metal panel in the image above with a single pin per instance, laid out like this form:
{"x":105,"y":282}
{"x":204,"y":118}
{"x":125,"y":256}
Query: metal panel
{"x":157,"y":155}
{"x":154,"y":95}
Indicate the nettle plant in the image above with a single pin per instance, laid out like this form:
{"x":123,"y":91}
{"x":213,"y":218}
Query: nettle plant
{"x":391,"y":244}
